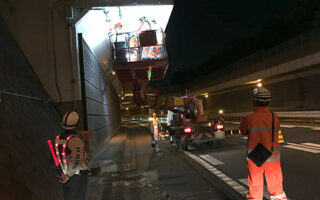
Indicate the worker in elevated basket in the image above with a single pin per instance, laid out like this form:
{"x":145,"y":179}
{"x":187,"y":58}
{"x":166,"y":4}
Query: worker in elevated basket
{"x":260,"y":126}
{"x":70,"y":152}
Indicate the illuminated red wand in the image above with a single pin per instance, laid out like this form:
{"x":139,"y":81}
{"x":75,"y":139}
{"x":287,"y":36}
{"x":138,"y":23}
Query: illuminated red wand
{"x":59,"y":169}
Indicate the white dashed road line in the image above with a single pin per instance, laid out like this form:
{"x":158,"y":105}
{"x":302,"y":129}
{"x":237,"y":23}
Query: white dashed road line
{"x":312,"y":144}
{"x":236,"y":186}
{"x":301,"y":147}
{"x":233,"y":184}
{"x":211,"y":160}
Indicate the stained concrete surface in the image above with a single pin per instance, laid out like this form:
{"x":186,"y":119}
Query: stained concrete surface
{"x":127,"y":168}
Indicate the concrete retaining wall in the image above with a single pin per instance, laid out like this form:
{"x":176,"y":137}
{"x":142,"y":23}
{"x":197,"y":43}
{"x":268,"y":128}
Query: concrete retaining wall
{"x":25,"y":126}
{"x":298,"y":91}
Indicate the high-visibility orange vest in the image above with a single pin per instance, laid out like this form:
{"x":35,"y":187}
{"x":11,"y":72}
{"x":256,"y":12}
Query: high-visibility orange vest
{"x":258,"y":127}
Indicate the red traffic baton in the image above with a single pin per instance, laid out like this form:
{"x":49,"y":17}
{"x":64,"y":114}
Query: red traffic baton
{"x":59,"y":169}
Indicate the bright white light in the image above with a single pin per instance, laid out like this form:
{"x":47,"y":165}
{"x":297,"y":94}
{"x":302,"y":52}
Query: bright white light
{"x":220,"y":111}
{"x":259,"y":84}
{"x":150,"y":118}
{"x":113,"y":72}
{"x":93,"y":27}
{"x":131,"y":15}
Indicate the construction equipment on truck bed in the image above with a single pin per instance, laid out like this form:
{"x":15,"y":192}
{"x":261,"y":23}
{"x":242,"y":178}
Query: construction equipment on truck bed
{"x":187,"y":124}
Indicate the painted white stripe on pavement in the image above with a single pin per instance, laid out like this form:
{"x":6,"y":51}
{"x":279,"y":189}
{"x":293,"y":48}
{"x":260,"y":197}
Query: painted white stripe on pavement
{"x":302,"y":148}
{"x":311,"y":144}
{"x":236,"y":186}
{"x":305,"y":146}
{"x":211,"y":160}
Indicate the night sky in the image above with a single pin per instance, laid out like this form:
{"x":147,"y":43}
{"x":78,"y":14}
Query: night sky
{"x":199,"y":28}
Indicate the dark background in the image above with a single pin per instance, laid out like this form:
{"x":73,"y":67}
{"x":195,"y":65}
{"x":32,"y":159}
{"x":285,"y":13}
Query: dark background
{"x":205,"y":35}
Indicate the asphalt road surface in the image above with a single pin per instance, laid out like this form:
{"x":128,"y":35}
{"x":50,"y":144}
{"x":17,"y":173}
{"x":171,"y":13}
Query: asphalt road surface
{"x":128,"y":168}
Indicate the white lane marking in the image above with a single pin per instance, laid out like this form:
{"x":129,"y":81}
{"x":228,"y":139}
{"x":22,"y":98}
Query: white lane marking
{"x":302,"y":148}
{"x":211,"y":160}
{"x":311,"y":144}
{"x":236,"y":186}
{"x":265,"y":193}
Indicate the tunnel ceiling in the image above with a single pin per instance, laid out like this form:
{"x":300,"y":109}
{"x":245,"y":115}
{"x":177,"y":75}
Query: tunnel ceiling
{"x":104,"y":3}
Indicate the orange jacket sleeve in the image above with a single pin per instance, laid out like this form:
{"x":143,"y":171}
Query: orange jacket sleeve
{"x":244,"y":126}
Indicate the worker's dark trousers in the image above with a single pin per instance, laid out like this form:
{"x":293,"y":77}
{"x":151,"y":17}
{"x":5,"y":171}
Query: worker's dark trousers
{"x":152,"y":138}
{"x":75,"y":188}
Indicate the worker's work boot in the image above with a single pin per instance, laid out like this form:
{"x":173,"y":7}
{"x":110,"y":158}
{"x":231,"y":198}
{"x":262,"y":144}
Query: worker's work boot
{"x":157,"y":147}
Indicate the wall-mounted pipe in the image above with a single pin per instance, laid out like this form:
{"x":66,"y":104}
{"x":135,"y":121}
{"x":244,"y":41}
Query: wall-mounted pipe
{"x":69,"y":18}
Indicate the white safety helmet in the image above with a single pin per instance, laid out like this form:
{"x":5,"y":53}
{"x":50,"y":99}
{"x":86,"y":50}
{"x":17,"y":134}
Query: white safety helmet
{"x":261,"y":95}
{"x":70,"y":120}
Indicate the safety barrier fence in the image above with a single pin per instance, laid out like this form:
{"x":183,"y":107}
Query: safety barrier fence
{"x":134,"y":54}
{"x":138,"y":46}
{"x":294,"y":117}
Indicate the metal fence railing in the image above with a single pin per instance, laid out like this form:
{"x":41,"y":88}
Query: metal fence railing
{"x":134,"y":54}
{"x":294,"y":117}
{"x":139,"y":46}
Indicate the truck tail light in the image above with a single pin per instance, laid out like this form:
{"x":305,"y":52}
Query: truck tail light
{"x":219,"y":126}
{"x":188,"y":130}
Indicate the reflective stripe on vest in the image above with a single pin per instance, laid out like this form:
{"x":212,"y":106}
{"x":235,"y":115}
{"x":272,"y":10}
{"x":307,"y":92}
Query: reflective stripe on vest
{"x":258,"y":129}
{"x":279,"y":197}
{"x":269,"y":159}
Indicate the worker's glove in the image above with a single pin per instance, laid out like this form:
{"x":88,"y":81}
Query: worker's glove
{"x":63,"y":178}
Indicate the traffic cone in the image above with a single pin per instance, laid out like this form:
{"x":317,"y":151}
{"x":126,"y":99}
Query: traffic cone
{"x":280,"y":137}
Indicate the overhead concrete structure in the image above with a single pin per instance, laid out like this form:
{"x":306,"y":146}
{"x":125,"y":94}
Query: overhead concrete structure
{"x":104,"y":3}
{"x":47,"y":35}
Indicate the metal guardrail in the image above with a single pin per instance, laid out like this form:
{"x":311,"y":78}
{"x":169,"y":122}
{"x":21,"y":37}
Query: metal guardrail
{"x":299,"y":114}
{"x":129,"y":47}
{"x":308,"y":117}
{"x":134,"y":54}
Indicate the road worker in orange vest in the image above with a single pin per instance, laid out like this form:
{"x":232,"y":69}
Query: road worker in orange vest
{"x":258,"y":126}
{"x":155,"y":130}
